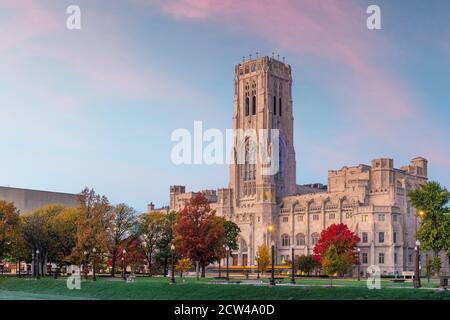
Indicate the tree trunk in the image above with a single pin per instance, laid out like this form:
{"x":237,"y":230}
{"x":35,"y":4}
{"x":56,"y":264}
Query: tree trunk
{"x":150,"y":267}
{"x":203,"y":270}
{"x":197,"y":268}
{"x":113,"y":265}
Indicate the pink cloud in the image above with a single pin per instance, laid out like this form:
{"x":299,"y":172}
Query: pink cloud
{"x":323,"y":32}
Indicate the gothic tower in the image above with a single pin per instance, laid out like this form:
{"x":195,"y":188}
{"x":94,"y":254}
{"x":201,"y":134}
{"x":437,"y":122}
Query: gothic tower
{"x":263,"y":100}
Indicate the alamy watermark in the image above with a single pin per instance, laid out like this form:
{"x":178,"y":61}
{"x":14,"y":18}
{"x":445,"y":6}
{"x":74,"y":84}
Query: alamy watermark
{"x":236,"y":146}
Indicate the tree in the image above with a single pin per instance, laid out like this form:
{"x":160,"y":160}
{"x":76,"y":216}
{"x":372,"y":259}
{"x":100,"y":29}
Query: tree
{"x":430,"y":200}
{"x":197,"y":233}
{"x":183,"y":265}
{"x":164,"y":252}
{"x":151,"y":230}
{"x":263,"y":257}
{"x":39,"y":235}
{"x":94,"y":221}
{"x":336,"y":262}
{"x":339,"y":236}
{"x":61,"y":230}
{"x":9,"y":228}
{"x":306,"y":264}
{"x":232,"y":231}
{"x":123,"y":224}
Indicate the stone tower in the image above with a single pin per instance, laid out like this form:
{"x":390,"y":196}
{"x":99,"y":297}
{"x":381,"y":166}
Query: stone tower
{"x":262,"y":100}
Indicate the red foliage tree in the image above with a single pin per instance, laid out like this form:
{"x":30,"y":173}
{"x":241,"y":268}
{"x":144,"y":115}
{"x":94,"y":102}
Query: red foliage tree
{"x":132,"y":257}
{"x":198,"y":232}
{"x":341,"y":237}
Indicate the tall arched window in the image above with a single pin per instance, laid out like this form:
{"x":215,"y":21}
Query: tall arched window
{"x":274,"y":105}
{"x":285,"y":240}
{"x":253,"y":105}
{"x":247,"y":106}
{"x":279,"y":108}
{"x":300,"y":239}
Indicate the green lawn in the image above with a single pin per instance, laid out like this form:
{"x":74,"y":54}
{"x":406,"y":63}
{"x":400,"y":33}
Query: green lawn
{"x":191,"y":289}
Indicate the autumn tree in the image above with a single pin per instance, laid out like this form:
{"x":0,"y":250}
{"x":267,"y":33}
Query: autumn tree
{"x":39,"y":235}
{"x":93,"y":225}
{"x":61,"y":231}
{"x":9,"y":228}
{"x":263,"y":257}
{"x":183,"y":265}
{"x":150,"y":232}
{"x":339,"y":236}
{"x":198,"y":233}
{"x":431,"y":201}
{"x":123,"y":226}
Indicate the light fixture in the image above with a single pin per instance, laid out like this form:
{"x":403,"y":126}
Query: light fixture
{"x":417,"y":243}
{"x":94,"y":250}
{"x":172,"y":247}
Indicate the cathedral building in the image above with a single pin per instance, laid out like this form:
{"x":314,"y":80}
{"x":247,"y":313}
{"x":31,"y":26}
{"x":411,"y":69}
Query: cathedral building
{"x":273,"y":210}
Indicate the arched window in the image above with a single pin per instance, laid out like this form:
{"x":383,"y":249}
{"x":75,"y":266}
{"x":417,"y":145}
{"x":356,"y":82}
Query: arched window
{"x":250,"y":160}
{"x":285,"y":240}
{"x":314,"y":238}
{"x":300,"y":239}
{"x":274,"y":105}
{"x":279,"y":108}
{"x":247,"y":106}
{"x":253,"y":105}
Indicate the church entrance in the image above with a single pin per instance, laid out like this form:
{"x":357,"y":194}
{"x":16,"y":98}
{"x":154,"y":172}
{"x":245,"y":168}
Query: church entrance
{"x":235,"y":259}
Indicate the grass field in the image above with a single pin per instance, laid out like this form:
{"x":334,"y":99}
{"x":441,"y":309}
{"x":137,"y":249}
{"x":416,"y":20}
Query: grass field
{"x":191,"y":289}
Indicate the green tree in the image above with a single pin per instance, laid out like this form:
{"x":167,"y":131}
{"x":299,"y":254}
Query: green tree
{"x":232,"y":231}
{"x":150,"y":232}
{"x":306,"y":264}
{"x":430,"y":201}
{"x":263,"y":257}
{"x":335,"y":263}
{"x":164,"y":254}
{"x":123,"y":224}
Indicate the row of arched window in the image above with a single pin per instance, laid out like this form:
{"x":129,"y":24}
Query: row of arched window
{"x":300,"y":239}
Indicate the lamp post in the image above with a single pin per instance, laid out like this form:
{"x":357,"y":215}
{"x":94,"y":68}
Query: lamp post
{"x":37,"y":264}
{"x":359,"y":264}
{"x":18,"y":267}
{"x":417,"y":269}
{"x":227,"y":248}
{"x":124,"y":252}
{"x":85,"y":265}
{"x":94,"y":277}
{"x":293,"y":266}
{"x":172,"y":247}
{"x":272,"y":278}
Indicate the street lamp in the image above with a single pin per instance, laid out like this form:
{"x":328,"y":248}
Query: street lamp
{"x":37,"y":264}
{"x":227,"y":248}
{"x":272,"y":278}
{"x":359,"y":264}
{"x":417,"y":270}
{"x":94,"y":277}
{"x":293,"y":266}
{"x":172,"y":247}
{"x":123,"y":263}
{"x":85,"y":265}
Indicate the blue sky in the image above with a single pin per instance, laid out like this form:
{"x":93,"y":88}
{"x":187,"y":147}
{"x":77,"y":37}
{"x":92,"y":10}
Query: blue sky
{"x":96,"y":107}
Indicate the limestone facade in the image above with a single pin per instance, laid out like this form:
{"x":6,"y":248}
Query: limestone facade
{"x":371,"y":200}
